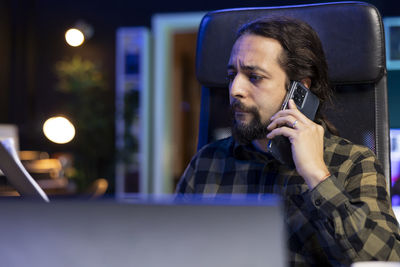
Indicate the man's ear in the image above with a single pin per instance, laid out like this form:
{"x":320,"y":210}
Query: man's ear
{"x":306,"y":82}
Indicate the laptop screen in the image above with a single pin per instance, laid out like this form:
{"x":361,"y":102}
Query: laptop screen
{"x":16,"y":173}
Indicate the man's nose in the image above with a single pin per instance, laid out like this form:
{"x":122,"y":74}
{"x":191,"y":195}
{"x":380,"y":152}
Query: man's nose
{"x":237,"y":87}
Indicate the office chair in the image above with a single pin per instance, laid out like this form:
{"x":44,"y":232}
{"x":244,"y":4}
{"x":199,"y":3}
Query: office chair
{"x":353,"y":40}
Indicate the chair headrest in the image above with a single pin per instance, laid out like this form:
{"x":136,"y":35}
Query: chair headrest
{"x":351,"y":34}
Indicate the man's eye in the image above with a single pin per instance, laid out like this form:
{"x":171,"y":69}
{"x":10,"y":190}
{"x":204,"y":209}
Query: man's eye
{"x":255,"y":78}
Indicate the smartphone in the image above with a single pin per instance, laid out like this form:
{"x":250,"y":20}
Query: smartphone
{"x":307,"y":103}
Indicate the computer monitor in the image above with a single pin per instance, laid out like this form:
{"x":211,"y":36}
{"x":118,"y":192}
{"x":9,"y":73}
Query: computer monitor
{"x":395,"y":165}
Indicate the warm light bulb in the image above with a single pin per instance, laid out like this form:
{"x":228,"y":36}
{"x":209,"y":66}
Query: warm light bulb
{"x":59,"y":130}
{"x":74,"y":37}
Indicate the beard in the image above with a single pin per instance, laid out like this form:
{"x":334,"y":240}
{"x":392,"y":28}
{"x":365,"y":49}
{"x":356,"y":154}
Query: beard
{"x":245,"y":133}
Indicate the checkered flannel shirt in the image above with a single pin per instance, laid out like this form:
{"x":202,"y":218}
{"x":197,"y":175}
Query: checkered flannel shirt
{"x":346,"y":218}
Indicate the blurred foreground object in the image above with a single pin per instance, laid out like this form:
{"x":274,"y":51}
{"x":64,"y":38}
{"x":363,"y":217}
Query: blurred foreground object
{"x":375,"y":264}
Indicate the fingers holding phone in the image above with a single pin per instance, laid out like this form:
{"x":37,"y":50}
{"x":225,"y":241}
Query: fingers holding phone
{"x":286,"y":122}
{"x":306,"y":139}
{"x":291,"y":117}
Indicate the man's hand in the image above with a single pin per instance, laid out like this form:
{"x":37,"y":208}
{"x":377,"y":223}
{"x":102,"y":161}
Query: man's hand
{"x":307,"y":139}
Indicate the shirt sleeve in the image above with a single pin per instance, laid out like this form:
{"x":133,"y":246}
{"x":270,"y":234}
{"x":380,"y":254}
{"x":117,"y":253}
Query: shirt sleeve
{"x":186,"y":182}
{"x":354,"y":215}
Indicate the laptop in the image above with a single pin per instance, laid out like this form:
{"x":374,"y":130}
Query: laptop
{"x":146,"y":233}
{"x":16,"y":173}
{"x":9,"y":131}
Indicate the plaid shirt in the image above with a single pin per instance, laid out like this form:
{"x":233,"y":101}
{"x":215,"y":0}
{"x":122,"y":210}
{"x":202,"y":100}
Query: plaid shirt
{"x":346,"y":218}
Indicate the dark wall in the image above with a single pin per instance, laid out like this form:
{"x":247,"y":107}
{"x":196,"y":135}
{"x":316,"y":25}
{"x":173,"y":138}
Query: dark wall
{"x":5,"y":48}
{"x":33,"y":41}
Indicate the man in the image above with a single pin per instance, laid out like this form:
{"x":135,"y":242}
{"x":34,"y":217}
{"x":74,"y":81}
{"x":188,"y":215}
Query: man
{"x":337,"y":209}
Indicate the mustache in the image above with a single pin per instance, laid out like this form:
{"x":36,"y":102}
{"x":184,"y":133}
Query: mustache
{"x":238,"y":105}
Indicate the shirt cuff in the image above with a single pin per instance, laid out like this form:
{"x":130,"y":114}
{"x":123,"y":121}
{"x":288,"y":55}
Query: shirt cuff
{"x":327,"y":196}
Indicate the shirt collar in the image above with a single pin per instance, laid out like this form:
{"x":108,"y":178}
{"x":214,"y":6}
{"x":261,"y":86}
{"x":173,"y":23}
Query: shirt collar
{"x":249,"y":152}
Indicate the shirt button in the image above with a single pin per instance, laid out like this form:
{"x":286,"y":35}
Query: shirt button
{"x":318,"y":202}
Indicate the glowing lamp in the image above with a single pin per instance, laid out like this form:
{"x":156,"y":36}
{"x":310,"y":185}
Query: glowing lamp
{"x":59,"y":130}
{"x":74,"y":37}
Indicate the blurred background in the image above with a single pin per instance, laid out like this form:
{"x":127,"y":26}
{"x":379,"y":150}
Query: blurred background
{"x":124,"y":91}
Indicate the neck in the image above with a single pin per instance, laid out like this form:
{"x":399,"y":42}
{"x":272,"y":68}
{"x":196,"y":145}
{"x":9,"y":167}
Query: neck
{"x":261,"y":144}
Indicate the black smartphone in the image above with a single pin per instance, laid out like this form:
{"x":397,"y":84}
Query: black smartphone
{"x":307,"y":103}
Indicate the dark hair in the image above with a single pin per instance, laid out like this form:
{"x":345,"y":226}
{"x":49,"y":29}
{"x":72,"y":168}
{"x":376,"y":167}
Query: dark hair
{"x":302,"y":56}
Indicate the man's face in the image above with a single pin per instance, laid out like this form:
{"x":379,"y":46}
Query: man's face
{"x":257,"y":85}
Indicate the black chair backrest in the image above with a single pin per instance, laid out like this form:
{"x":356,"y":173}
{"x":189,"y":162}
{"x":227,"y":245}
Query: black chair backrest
{"x":353,"y":40}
